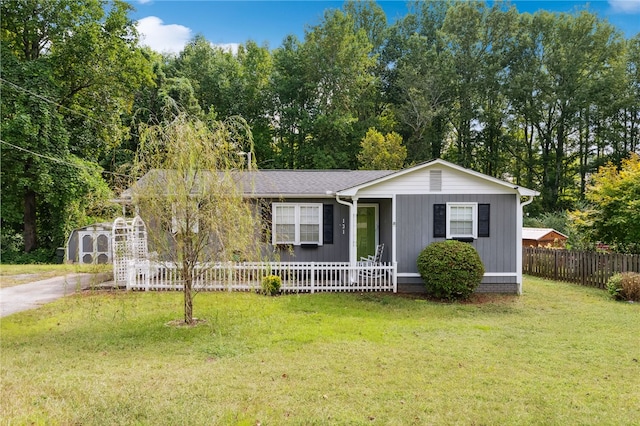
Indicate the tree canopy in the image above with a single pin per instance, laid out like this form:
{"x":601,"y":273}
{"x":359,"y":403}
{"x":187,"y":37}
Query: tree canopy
{"x":613,"y":212}
{"x":540,"y":99}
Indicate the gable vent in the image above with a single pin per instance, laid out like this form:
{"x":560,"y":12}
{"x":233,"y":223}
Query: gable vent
{"x":435,"y":180}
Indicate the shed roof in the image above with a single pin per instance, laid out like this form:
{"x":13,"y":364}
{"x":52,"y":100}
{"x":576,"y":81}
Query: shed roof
{"x":538,"y":233}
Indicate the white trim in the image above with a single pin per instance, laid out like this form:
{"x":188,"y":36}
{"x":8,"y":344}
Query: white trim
{"x":474,"y":220}
{"x":500,"y":274}
{"x":394,"y":233}
{"x":297,"y":223}
{"x":486,"y":274}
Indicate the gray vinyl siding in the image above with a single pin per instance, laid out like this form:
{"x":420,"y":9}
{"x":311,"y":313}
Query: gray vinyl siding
{"x":336,"y":252}
{"x":415,"y":229}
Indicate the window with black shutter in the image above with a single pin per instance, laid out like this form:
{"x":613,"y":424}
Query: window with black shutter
{"x":484,"y":211}
{"x":439,"y":220}
{"x":461,"y":220}
{"x":265,"y":215}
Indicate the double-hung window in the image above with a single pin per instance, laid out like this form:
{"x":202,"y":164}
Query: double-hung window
{"x":462,"y":220}
{"x":297,"y":223}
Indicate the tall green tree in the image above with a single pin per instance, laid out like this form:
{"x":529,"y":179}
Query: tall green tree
{"x":255,"y":99}
{"x":338,"y":66}
{"x":68,"y":70}
{"x":568,"y":59}
{"x":292,"y":97}
{"x":214,"y":73}
{"x":419,"y":77}
{"x":382,"y":152}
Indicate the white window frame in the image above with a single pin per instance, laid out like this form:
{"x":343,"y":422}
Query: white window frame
{"x":474,"y":219}
{"x":297,"y":206}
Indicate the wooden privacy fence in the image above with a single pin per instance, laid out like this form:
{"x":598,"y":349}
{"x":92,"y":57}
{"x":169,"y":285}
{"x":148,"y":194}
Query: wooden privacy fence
{"x":247,"y":276}
{"x":581,"y":267}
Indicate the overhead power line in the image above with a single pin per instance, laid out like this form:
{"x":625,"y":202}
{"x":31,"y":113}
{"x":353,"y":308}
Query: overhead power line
{"x":58,"y":160}
{"x":59,"y":105}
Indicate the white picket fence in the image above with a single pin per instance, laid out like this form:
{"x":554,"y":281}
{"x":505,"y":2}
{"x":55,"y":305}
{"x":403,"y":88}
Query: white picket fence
{"x":244,"y":276}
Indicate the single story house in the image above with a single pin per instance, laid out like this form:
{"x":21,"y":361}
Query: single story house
{"x":543,"y":237}
{"x":343,"y":215}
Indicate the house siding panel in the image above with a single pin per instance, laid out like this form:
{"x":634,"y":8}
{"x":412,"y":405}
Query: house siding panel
{"x":415,"y":229}
{"x":418,"y":182}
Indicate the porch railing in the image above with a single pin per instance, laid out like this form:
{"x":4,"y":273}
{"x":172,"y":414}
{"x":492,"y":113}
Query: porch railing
{"x":244,"y":276}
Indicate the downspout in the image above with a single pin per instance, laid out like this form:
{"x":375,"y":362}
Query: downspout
{"x":353,"y":212}
{"x":519,"y":225}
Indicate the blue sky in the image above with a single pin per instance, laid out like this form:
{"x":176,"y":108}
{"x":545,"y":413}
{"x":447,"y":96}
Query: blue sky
{"x":167,"y":25}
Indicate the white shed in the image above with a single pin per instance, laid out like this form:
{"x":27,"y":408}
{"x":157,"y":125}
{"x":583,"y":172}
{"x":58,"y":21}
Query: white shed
{"x":90,"y":244}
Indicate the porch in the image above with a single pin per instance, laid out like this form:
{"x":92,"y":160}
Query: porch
{"x":297,"y":277}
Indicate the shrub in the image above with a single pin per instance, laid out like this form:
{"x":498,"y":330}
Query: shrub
{"x":450,"y":269}
{"x":625,"y":286}
{"x":271,"y":285}
{"x":614,"y":286}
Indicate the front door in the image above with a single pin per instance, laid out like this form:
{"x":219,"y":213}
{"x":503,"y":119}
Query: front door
{"x":367,"y":229}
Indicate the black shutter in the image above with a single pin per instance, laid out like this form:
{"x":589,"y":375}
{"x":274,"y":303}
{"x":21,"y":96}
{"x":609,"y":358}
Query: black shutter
{"x":483,"y":220}
{"x":265,"y":213}
{"x":327,"y":223}
{"x":439,"y":220}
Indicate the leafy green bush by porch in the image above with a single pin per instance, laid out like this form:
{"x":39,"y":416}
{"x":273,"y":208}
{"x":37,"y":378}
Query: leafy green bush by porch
{"x":450,"y":269}
{"x":625,"y":286}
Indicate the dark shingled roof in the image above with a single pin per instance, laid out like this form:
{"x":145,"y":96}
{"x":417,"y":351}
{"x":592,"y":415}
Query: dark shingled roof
{"x":307,"y":182}
{"x":275,"y":183}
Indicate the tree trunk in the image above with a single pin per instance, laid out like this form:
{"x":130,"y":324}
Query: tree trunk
{"x":30,"y":234}
{"x":188,"y":301}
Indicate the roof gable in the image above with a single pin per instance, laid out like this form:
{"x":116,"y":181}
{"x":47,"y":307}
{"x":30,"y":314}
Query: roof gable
{"x":455,"y":179}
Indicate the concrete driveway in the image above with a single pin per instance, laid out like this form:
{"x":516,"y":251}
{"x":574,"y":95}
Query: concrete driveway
{"x":28,"y":296}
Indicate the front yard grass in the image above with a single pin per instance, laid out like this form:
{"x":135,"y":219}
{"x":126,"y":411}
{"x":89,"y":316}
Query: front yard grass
{"x":559,"y":354}
{"x":12,"y":275}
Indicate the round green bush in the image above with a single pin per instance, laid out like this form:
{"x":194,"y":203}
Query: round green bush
{"x":450,"y":269}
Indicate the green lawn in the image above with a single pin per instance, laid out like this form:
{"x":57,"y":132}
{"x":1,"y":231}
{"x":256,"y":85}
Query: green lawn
{"x":560,"y":354}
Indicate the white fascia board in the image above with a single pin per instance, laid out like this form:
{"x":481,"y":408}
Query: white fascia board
{"x":522,"y":191}
{"x":288,"y":196}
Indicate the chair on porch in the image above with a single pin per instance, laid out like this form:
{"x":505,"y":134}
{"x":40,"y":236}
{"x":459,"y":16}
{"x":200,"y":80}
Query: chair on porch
{"x":370,"y":261}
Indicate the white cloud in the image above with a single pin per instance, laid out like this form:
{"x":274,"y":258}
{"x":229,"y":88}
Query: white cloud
{"x":625,"y":6}
{"x":160,"y":37}
{"x":144,"y":1}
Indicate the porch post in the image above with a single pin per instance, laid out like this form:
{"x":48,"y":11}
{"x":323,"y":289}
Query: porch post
{"x":353,"y":238}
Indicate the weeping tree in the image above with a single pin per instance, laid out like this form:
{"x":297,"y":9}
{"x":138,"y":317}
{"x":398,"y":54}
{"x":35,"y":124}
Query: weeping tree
{"x":190,"y":196}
